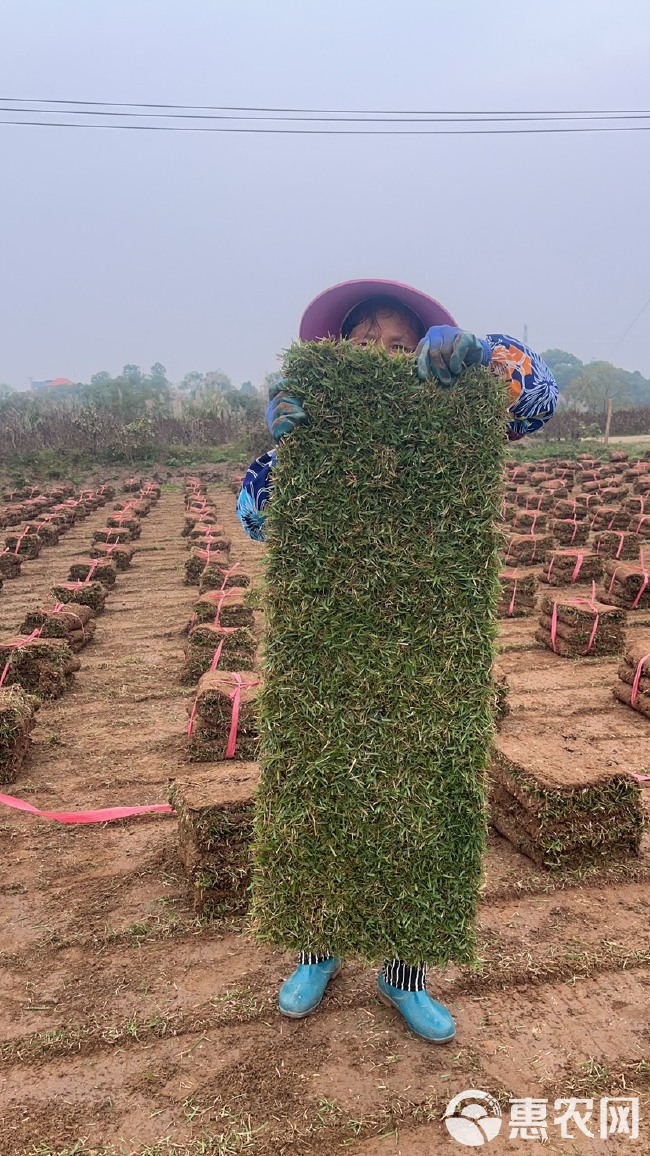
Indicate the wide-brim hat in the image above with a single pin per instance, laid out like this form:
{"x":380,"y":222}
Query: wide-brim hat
{"x":324,"y":316}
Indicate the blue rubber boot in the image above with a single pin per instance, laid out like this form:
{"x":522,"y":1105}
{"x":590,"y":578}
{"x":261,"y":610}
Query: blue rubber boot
{"x":426,"y":1018}
{"x":302,"y":992}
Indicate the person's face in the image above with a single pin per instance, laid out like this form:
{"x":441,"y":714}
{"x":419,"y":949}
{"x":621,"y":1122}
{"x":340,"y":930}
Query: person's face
{"x":389,"y":330}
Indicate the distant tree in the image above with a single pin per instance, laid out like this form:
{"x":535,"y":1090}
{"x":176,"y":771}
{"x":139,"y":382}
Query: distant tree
{"x":215,"y":379}
{"x":193,"y":381}
{"x":564,"y":366}
{"x":132,"y":373}
{"x":158,"y":374}
{"x":248,"y":388}
{"x":101,"y":378}
{"x":5,"y":391}
{"x":595,"y":385}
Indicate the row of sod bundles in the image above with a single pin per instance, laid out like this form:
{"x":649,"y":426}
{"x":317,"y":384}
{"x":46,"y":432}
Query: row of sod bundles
{"x":618,"y":544}
{"x":577,"y":627}
{"x":377,"y":701}
{"x":236,"y":648}
{"x":104,"y":572}
{"x":28,"y":544}
{"x":223,"y":717}
{"x":112,"y":534}
{"x":570,"y":531}
{"x":563,"y":810}
{"x":17,"y":711}
{"x":633,"y":686}
{"x":91,"y":594}
{"x":626,"y":584}
{"x":10,"y":563}
{"x":527,"y":549}
{"x":215,"y":827}
{"x":566,"y":567}
{"x":75,"y":623}
{"x":39,"y":665}
{"x":199,"y":559}
{"x":228,"y":607}
{"x":121,"y":555}
{"x":518,"y":590}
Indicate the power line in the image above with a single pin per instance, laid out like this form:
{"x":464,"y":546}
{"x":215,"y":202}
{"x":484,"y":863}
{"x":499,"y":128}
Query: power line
{"x":571,"y":113}
{"x":339,"y":119}
{"x":323,"y":131}
{"x":631,"y":325}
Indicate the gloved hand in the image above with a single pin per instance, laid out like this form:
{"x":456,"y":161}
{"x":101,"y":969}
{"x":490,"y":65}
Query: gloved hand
{"x":445,"y":351}
{"x":283,"y":412}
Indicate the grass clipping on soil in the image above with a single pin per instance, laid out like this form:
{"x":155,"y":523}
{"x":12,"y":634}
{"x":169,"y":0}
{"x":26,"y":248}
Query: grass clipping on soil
{"x":382,"y":582}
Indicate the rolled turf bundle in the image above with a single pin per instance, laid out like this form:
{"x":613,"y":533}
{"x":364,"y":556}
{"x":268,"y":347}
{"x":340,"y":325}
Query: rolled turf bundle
{"x":626,"y":585}
{"x":48,"y":533}
{"x":122,"y":556}
{"x":215,"y":827}
{"x":563,"y":813}
{"x":10,"y":563}
{"x":131,"y":485}
{"x":228,"y":606}
{"x":533,"y":502}
{"x":636,"y":504}
{"x":641,"y":484}
{"x":566,"y":567}
{"x":120,"y":522}
{"x":17,"y":720}
{"x":107,"y":491}
{"x":570,"y":508}
{"x":569,"y":531}
{"x":238,"y":646}
{"x":633,"y":686}
{"x":613,"y":495}
{"x":104,"y":572}
{"x":74,"y":623}
{"x":577,"y":627}
{"x":527,"y":549}
{"x":223,"y":717}
{"x":91,"y":594}
{"x":381,"y":593}
{"x":26,"y":545}
{"x":641,"y":525}
{"x":39,"y":665}
{"x":112,"y":534}
{"x":610,"y":518}
{"x":618,"y":544}
{"x":531,"y":522}
{"x":518,"y":589}
{"x":199,"y":559}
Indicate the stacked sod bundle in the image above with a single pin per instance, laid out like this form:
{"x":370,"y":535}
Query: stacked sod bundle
{"x":40,"y":666}
{"x":577,"y":627}
{"x":120,"y":556}
{"x":633,"y":686}
{"x":518,"y":589}
{"x":566,"y":567}
{"x":215,"y":822}
{"x":627,"y":584}
{"x":91,"y":594}
{"x":560,"y":811}
{"x":17,"y":711}
{"x":74,"y":623}
{"x":223,"y":717}
{"x":376,"y":708}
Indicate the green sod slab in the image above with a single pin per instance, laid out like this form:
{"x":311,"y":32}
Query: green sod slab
{"x":376,"y":710}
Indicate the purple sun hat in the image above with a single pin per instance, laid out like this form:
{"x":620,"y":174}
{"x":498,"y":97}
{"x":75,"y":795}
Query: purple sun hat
{"x":324,"y":316}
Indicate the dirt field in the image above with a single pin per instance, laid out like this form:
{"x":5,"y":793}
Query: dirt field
{"x":128,"y":1026}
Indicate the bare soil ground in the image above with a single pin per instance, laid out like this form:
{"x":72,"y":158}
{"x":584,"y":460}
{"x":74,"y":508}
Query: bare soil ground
{"x":129,"y":1026}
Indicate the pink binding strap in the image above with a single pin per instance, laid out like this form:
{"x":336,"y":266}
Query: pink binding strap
{"x":235,"y":696}
{"x":104,"y":815}
{"x":512,"y":600}
{"x":211,"y":669}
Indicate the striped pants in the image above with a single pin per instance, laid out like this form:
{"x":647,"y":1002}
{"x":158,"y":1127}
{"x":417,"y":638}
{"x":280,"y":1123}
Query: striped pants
{"x":405,"y":976}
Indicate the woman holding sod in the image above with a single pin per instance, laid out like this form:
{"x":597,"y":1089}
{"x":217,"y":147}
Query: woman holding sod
{"x":401,"y":320}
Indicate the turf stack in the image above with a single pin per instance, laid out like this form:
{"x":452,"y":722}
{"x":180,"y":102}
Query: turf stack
{"x":376,"y":709}
{"x":518,"y":589}
{"x":563,"y":812}
{"x":74,"y":623}
{"x":626,"y":584}
{"x":566,"y":567}
{"x":122,"y":556}
{"x":17,"y":710}
{"x":577,"y":627}
{"x":633,"y":686}
{"x":223,"y":717}
{"x":40,"y":666}
{"x":91,"y":594}
{"x":215,"y":824}
{"x":236,"y":647}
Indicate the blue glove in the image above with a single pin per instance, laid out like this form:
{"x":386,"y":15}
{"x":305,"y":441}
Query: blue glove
{"x":445,"y":351}
{"x":283,"y":412}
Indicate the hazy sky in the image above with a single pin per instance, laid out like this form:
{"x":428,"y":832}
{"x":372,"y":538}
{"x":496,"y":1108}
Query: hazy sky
{"x":201,"y":250}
